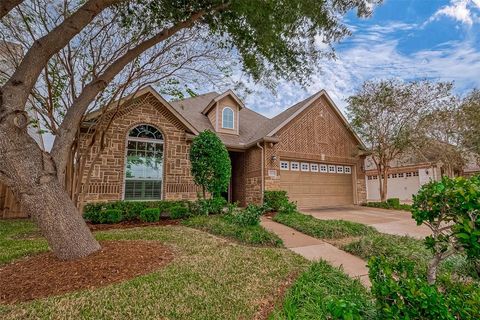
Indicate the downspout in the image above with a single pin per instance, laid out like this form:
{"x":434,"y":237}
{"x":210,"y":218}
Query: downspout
{"x":262,"y":172}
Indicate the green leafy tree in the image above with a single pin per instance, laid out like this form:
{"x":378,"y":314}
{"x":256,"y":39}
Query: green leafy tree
{"x":386,"y":115}
{"x":211,"y":166}
{"x":451,"y":209}
{"x":470,"y":113}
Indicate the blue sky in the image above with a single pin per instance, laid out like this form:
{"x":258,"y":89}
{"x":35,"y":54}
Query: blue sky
{"x":406,"y":39}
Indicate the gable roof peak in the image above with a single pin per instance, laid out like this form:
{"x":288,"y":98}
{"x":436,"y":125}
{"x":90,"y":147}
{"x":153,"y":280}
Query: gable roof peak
{"x":230,"y":93}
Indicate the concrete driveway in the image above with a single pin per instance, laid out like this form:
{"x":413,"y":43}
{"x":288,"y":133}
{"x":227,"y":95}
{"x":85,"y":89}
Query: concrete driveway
{"x":386,"y":221}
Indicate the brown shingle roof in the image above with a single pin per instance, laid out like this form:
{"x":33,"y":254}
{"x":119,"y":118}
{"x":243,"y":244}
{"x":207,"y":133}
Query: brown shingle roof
{"x":253,"y":126}
{"x":250,"y":121}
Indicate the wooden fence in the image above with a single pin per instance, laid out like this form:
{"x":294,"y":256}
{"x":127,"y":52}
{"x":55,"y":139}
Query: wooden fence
{"x":9,"y":206}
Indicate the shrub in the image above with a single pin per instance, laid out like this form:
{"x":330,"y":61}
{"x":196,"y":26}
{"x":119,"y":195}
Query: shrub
{"x":179,"y":212}
{"x":390,"y":204}
{"x":211,"y":167}
{"x":208,"y":206}
{"x":402,"y":294}
{"x":131,"y":210}
{"x":274,"y":200}
{"x":288,"y":208}
{"x":150,"y":215}
{"x":111,"y":216}
{"x":393,"y":202}
{"x":450,"y":208}
{"x":250,"y":216}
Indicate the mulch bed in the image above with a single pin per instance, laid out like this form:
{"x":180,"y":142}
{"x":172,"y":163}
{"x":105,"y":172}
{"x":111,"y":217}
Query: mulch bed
{"x":132,"y":224}
{"x":44,"y":275}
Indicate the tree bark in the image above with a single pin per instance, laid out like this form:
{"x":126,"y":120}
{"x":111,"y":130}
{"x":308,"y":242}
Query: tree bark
{"x":383,"y":194}
{"x":432,"y":268}
{"x":30,"y":174}
{"x":7,"y":5}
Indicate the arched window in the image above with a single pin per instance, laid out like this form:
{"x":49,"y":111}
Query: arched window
{"x":227,"y":118}
{"x":144,"y":164}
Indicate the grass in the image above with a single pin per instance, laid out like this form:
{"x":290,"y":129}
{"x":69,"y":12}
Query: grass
{"x":322,"y":229}
{"x":406,"y":248}
{"x":251,"y":235}
{"x":319,"y":289}
{"x":210,"y":278}
{"x":19,"y":238}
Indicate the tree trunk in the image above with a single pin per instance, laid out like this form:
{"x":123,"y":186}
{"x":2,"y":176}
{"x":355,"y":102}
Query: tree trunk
{"x":7,"y":5}
{"x":383,"y":194}
{"x":30,"y":174}
{"x":59,"y":221}
{"x":432,"y":268}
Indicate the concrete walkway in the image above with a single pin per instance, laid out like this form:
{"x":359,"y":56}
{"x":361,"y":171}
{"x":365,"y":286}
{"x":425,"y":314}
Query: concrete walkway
{"x":315,"y":249}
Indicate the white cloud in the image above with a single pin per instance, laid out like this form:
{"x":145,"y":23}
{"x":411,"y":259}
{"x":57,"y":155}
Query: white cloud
{"x":376,"y":55}
{"x":460,"y":10}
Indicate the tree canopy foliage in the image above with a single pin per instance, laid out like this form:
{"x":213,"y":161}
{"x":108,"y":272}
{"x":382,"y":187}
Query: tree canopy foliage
{"x":273,"y":38}
{"x":387,"y":113}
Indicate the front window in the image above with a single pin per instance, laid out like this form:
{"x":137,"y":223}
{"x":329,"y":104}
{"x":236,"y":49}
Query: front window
{"x":144,"y":165}
{"x":227,"y":118}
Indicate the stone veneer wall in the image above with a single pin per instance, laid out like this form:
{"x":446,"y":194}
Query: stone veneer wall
{"x":253,"y":175}
{"x":107,"y":181}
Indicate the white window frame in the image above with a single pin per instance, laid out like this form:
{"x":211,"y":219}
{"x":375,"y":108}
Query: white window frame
{"x":305,"y":166}
{"x":340,"y":169}
{"x":295,"y":166}
{"x":323,"y":168}
{"x":223,"y":118}
{"x":314,"y":167}
{"x":347,"y":170}
{"x":284,"y":163}
{"x":332,"y":168}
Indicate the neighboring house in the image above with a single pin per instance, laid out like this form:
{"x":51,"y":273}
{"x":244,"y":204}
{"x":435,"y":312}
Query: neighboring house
{"x":472,"y":167}
{"x":404,"y":178}
{"x":308,"y":150}
{"x":408,"y":173}
{"x":10,"y":55}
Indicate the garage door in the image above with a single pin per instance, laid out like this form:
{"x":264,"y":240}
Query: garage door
{"x":318,"y":185}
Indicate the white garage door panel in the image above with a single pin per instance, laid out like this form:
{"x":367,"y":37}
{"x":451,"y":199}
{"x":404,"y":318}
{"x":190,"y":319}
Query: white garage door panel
{"x":314,"y":189}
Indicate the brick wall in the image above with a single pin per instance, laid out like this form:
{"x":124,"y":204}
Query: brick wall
{"x":253,"y":175}
{"x":317,"y":135}
{"x":107,"y":180}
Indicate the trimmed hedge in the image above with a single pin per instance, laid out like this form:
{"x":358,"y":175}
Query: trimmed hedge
{"x":392,"y":203}
{"x":150,"y":215}
{"x":129,"y":210}
{"x":106,"y":216}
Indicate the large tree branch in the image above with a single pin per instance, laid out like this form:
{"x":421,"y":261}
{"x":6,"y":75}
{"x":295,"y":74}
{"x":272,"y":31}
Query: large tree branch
{"x":14,"y":93}
{"x":7,"y":5}
{"x":68,"y":129}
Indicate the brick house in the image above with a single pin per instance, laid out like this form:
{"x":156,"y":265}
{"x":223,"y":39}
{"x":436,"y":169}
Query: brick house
{"x":308,"y":150}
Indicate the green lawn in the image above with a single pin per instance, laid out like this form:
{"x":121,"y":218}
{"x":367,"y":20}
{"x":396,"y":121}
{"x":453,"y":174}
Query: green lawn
{"x":322,"y":229}
{"x":322,"y":289}
{"x":210,"y":278}
{"x":19,"y":238}
{"x":251,"y":235}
